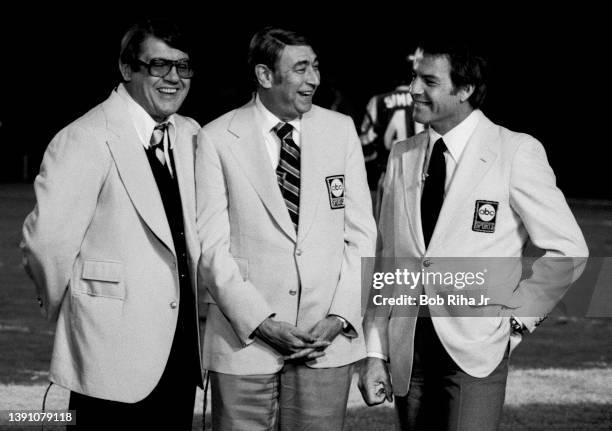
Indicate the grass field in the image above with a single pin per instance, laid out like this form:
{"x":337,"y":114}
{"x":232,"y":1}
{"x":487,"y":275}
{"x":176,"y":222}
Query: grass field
{"x":560,"y":376}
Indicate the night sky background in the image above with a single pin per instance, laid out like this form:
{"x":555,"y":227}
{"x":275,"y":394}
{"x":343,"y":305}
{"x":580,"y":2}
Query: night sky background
{"x":548,"y":75}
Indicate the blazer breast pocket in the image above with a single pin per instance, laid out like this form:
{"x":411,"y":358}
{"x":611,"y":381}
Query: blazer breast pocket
{"x":101,"y":278}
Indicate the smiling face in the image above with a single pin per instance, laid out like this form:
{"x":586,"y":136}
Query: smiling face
{"x":287,"y":91}
{"x":159,"y":96}
{"x":436,"y":100}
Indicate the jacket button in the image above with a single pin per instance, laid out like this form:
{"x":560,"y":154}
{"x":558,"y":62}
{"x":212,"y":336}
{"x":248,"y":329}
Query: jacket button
{"x":173,"y":305}
{"x":427,"y":263}
{"x":293,"y":292}
{"x":298,"y":252}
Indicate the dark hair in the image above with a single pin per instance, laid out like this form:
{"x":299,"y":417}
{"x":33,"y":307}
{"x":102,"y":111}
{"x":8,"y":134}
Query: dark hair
{"x":268,"y":43}
{"x":162,"y":29}
{"x":466,"y":67}
{"x":400,"y":70}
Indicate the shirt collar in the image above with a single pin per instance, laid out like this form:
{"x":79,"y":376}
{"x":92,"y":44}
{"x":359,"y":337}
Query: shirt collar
{"x":142,"y":121}
{"x":456,"y":139}
{"x":269,"y":121}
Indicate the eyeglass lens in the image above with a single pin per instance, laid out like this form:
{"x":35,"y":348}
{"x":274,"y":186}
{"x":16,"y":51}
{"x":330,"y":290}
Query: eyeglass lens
{"x":160,"y":67}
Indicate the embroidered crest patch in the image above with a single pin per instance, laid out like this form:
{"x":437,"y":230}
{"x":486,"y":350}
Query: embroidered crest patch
{"x":335,"y":190}
{"x":485,"y":215}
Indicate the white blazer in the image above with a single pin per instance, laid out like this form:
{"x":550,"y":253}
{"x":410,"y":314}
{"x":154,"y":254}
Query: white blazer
{"x":253,"y":260}
{"x":99,"y":249}
{"x":500,"y":166}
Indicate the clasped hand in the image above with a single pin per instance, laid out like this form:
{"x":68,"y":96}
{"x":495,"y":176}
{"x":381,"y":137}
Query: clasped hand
{"x":295,"y":343}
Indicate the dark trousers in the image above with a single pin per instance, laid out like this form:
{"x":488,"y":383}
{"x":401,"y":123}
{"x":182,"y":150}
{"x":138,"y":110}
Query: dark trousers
{"x":442,"y":396}
{"x":169,"y":406}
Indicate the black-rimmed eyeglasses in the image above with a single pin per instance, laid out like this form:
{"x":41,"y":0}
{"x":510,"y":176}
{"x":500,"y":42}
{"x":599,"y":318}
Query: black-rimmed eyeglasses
{"x":160,"y":67}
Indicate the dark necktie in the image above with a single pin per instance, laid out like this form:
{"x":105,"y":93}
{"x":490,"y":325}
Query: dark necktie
{"x":433,"y":192}
{"x":288,"y":171}
{"x":159,"y":138}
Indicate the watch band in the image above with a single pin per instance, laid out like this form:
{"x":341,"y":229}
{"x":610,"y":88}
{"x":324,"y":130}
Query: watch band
{"x":516,"y":326}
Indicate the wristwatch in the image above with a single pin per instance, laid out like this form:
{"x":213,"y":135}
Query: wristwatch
{"x":517,"y":327}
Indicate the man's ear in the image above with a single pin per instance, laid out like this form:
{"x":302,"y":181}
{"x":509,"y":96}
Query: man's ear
{"x":465,"y":92}
{"x":126,"y":71}
{"x":264,"y":75}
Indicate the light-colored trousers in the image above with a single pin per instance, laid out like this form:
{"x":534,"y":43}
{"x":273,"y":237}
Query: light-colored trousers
{"x":296,"y":398}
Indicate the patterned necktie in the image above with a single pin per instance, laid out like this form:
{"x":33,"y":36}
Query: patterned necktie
{"x":433,"y":192}
{"x":288,"y":171}
{"x":160,"y":142}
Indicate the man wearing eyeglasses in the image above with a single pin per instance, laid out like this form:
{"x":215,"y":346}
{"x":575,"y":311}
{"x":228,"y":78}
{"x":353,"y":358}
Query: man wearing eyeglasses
{"x":112,"y":245}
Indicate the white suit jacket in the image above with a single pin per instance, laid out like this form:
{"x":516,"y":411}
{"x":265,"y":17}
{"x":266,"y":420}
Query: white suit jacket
{"x":254,"y":263}
{"x":99,"y":249}
{"x":500,"y":166}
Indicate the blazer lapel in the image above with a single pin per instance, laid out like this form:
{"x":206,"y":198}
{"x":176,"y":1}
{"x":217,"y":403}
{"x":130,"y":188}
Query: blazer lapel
{"x":313,"y":153}
{"x":250,"y":152}
{"x":477,"y":159}
{"x":134,"y":169}
{"x":412,"y":161}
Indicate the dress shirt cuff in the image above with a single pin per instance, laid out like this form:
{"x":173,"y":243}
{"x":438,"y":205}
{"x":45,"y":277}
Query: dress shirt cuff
{"x":345,"y":324}
{"x":252,"y":335}
{"x":378,"y":355}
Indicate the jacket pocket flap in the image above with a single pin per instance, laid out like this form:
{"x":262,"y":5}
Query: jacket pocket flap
{"x":102,"y":271}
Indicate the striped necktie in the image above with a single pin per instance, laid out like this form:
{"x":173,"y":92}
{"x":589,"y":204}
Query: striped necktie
{"x":288,"y":171}
{"x":160,"y":144}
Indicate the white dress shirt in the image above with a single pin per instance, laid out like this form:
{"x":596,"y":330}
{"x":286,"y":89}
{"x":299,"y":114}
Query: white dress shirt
{"x":455,"y":140}
{"x":267,"y":121}
{"x":144,"y":124}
